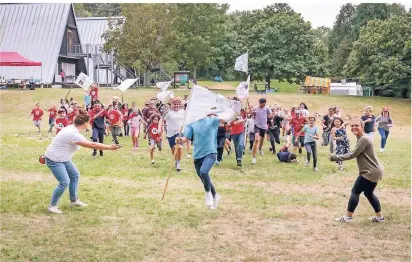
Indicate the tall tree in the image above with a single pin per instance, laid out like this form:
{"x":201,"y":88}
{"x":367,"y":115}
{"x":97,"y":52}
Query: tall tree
{"x":382,"y":54}
{"x":104,"y":10}
{"x":81,"y":11}
{"x":198,"y":28}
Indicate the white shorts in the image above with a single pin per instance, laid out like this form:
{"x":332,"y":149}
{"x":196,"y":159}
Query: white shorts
{"x":370,"y":135}
{"x":36,"y":122}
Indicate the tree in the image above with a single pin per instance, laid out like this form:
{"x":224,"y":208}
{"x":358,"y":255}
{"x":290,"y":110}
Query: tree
{"x":198,"y":28}
{"x":145,"y":39}
{"x":81,"y":11}
{"x":382,"y":55}
{"x":104,"y":10}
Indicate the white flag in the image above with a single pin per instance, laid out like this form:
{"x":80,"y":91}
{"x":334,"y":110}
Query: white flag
{"x":241,"y":63}
{"x":203,"y":102}
{"x":242,"y":91}
{"x":165,"y":96}
{"x":84,"y":81}
{"x":163,"y":85}
{"x":126,"y":84}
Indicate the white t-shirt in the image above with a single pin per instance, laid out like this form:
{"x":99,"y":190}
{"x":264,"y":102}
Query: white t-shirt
{"x":63,"y":146}
{"x":135,"y":121}
{"x":174,"y":121}
{"x":250,"y":125}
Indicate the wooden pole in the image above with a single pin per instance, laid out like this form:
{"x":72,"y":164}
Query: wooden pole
{"x":68,"y":92}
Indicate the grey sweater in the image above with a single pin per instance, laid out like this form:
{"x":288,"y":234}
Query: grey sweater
{"x":368,"y":163}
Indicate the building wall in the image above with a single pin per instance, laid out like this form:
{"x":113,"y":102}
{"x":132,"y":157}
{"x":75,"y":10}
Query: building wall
{"x":71,"y":25}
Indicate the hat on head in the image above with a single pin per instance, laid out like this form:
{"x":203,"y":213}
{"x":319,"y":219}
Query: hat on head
{"x":262,"y":100}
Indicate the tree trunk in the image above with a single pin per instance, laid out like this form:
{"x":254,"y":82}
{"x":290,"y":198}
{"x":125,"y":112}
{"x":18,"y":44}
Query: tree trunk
{"x":146,"y":78}
{"x":194,"y":75}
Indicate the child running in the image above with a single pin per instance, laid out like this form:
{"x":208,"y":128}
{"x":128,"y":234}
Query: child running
{"x":310,"y":132}
{"x":384,"y":122}
{"x":114,"y":116}
{"x":135,"y":119}
{"x":37,"y":113}
{"x":339,"y":135}
{"x":52,"y":116}
{"x":298,"y":122}
{"x":220,"y":142}
{"x":98,"y":120}
{"x":250,"y":131}
{"x":125,"y":116}
{"x":61,"y":120}
{"x":155,"y":135}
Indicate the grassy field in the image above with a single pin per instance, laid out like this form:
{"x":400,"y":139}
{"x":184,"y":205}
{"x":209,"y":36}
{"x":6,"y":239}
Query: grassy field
{"x":270,"y":211}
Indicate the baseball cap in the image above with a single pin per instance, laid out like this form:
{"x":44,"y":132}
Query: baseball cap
{"x":262,"y":100}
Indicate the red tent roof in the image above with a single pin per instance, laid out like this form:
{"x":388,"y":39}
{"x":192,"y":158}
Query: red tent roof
{"x":15,"y":59}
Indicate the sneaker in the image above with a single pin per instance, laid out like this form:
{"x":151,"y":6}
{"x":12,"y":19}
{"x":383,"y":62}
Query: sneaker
{"x":78,"y":203}
{"x":306,"y":163}
{"x":209,"y":199}
{"x":340,"y":168}
{"x":188,"y":156}
{"x":101,"y":153}
{"x":54,"y":209}
{"x":270,"y":149}
{"x":239,"y":162}
{"x":344,"y":218}
{"x":261,"y":152}
{"x":377,"y":219}
{"x":382,"y":150}
{"x":178,"y":168}
{"x":152,"y":162}
{"x":316,"y":169}
{"x":254,"y":160}
{"x":300,"y":150}
{"x":216,"y":200}
{"x":217,"y":162}
{"x":94,"y":154}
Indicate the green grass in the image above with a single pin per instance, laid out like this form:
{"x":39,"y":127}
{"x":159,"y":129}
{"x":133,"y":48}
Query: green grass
{"x":283,"y":87}
{"x":270,"y":211}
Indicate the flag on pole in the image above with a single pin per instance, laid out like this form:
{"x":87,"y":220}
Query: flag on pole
{"x":126,"y":84}
{"x":241,"y":63}
{"x":165,"y":96}
{"x":203,"y":102}
{"x":84,"y":81}
{"x":164,"y":85}
{"x":242,"y":90}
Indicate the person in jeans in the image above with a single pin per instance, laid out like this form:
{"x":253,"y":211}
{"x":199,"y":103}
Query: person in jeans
{"x":237,"y":132}
{"x":274,"y":125}
{"x":204,"y":153}
{"x":327,"y":124}
{"x":384,"y":122}
{"x":369,"y":122}
{"x":370,"y":172}
{"x":260,"y":114}
{"x":310,"y":132}
{"x":59,"y":159}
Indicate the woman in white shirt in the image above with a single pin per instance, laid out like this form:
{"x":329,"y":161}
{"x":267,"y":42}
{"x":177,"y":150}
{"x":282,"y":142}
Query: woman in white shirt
{"x":59,"y":159}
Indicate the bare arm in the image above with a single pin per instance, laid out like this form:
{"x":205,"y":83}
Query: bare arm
{"x":98,"y":146}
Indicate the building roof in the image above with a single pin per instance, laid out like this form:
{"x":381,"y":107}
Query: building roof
{"x":91,"y":29}
{"x":15,"y":59}
{"x":40,"y":25}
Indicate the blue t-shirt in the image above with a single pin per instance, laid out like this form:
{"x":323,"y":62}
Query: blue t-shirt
{"x":284,"y":156}
{"x":204,"y":133}
{"x":309,"y":131}
{"x":87,"y":100}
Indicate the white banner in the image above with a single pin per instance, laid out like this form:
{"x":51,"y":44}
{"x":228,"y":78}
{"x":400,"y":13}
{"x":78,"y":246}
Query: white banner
{"x":126,"y":84}
{"x":242,"y":91}
{"x":84,"y":81}
{"x":163,"y":85}
{"x":203,"y":102}
{"x":241,"y":63}
{"x":165,"y":96}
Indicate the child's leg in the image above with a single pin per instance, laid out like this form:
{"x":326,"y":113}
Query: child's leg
{"x":308,"y":151}
{"x":315,"y":157}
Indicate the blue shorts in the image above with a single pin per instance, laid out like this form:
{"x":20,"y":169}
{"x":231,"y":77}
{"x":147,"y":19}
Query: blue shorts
{"x":172,"y":140}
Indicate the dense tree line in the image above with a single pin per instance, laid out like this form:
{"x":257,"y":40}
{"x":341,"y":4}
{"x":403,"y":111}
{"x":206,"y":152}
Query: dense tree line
{"x":368,"y":42}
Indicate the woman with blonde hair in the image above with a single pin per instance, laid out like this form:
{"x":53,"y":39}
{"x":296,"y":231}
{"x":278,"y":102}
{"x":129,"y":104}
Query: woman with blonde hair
{"x":369,"y":122}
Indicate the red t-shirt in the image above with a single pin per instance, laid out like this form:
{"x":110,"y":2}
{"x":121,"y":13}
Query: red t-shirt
{"x":114,"y":116}
{"x":125,"y":114}
{"x":52,"y":113}
{"x":237,"y":128}
{"x":94,"y":93}
{"x":298,"y":124}
{"x":72,"y":115}
{"x":154,"y":132}
{"x":94,"y":112}
{"x":37,"y":114}
{"x":60,"y":123}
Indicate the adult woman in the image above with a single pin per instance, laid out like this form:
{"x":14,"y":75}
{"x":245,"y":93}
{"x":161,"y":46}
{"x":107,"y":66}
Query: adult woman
{"x":339,"y":135}
{"x":384,"y":122}
{"x":369,"y":122}
{"x":59,"y":159}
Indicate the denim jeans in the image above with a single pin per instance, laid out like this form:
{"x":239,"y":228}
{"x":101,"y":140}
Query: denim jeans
{"x":239,"y":141}
{"x":384,"y":136}
{"x":203,"y":166}
{"x":68,"y":175}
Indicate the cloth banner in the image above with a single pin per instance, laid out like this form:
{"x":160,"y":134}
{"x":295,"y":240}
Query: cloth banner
{"x":242,"y":91}
{"x":84,"y":81}
{"x":163,"y":85}
{"x":241,"y":63}
{"x":126,"y":84}
{"x":203,"y":102}
{"x":165,"y":96}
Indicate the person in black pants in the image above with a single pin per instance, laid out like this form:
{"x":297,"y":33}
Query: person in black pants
{"x":221,"y":138}
{"x":98,"y":121}
{"x":370,"y":172}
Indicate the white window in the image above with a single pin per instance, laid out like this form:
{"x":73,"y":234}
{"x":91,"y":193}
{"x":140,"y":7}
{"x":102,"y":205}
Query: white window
{"x":69,"y":69}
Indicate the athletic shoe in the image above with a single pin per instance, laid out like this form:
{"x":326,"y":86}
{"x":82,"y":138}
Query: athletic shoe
{"x":306,"y":163}
{"x":254,"y":160}
{"x":239,"y":162}
{"x":316,"y":169}
{"x":101,"y":153}
{"x":262,"y":153}
{"x":341,"y":168}
{"x":300,"y":150}
{"x":216,"y":200}
{"x":270,"y":149}
{"x":54,"y":209}
{"x":382,"y":150}
{"x":188,"y":156}
{"x":178,"y":168}
{"x":209,"y":199}
{"x":344,"y":218}
{"x":78,"y":203}
{"x":377,"y":219}
{"x":94,"y":154}
{"x":152,"y":162}
{"x":217,"y":162}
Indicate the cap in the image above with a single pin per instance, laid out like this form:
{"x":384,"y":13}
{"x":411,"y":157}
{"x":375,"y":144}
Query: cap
{"x":262,"y":100}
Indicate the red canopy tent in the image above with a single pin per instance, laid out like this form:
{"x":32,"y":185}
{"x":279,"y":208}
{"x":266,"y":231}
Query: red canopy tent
{"x":15,"y":59}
